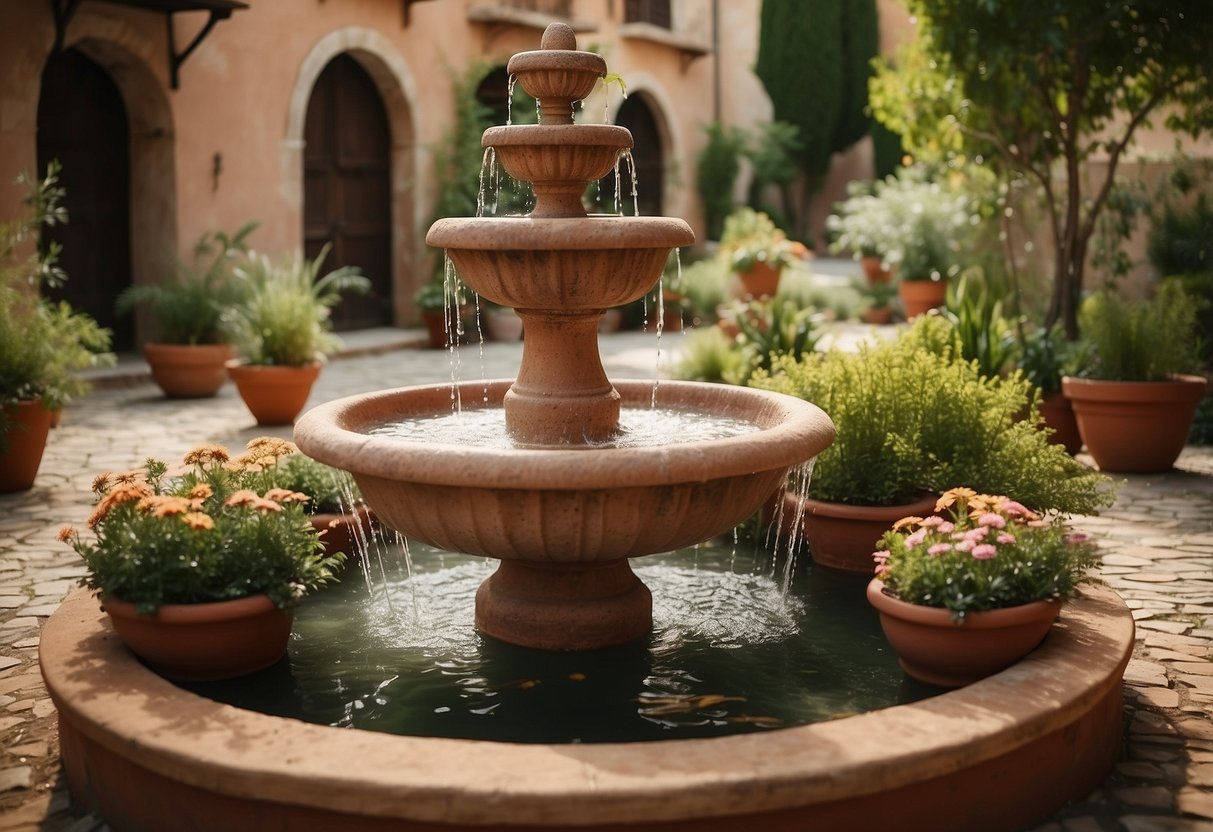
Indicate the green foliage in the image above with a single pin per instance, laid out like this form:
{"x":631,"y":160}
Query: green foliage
{"x":1044,"y":358}
{"x":704,"y":286}
{"x":458,"y":154}
{"x":217,"y":532}
{"x":1142,"y":341}
{"x":708,"y":354}
{"x":860,"y":43}
{"x":912,"y":417}
{"x":1038,"y":95}
{"x":975,"y":311}
{"x":716,"y":173}
{"x":332,"y":491}
{"x":42,"y":343}
{"x":188,"y":308}
{"x":1181,"y":241}
{"x":283,"y":318}
{"x":772,"y":154}
{"x":751,"y":237}
{"x":768,"y":331}
{"x":992,"y":554}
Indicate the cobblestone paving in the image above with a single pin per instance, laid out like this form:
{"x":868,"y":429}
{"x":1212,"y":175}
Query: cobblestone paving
{"x":1157,"y":541}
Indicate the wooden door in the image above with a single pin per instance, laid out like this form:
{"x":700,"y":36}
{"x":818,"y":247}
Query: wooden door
{"x":82,"y":122}
{"x":347,"y":191}
{"x":635,"y":115}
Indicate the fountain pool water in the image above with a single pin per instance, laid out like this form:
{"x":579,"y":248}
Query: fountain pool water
{"x":564,"y":518}
{"x":733,"y":651}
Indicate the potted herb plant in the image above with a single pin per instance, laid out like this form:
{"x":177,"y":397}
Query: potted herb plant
{"x":42,"y":343}
{"x":963,"y":598}
{"x":756,"y":250}
{"x":336,"y":509}
{"x":281,"y":330}
{"x":878,"y":302}
{"x":189,"y":353}
{"x":1044,"y":360}
{"x":859,"y":226}
{"x":198,"y":572}
{"x":913,"y":419}
{"x":1138,"y":394}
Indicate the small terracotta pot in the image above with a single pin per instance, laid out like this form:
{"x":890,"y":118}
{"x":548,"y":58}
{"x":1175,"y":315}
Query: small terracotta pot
{"x":346,"y":532}
{"x":921,"y":296}
{"x":1134,"y":427}
{"x":274,"y":395}
{"x":188,"y":371}
{"x":761,"y":281}
{"x":873,"y":270}
{"x":24,"y":444}
{"x":843,"y":536}
{"x":204,"y":642}
{"x":933,"y":648}
{"x":877,"y":315}
{"x":1057,"y":413}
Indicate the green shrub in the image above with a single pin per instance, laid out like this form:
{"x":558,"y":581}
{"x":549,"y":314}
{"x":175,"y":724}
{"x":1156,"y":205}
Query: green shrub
{"x":1142,"y":341}
{"x":912,"y":418}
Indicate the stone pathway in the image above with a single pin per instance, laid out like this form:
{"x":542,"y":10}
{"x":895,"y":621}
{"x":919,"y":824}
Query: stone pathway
{"x":1157,"y":539}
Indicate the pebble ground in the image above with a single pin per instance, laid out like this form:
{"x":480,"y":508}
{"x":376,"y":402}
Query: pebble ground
{"x":1157,"y":553}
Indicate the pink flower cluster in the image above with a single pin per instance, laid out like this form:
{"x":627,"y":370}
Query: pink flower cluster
{"x":989,"y":522}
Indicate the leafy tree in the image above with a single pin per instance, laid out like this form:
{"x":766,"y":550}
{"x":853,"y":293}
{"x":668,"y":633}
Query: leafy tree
{"x":1039,"y":92}
{"x":717,"y":168}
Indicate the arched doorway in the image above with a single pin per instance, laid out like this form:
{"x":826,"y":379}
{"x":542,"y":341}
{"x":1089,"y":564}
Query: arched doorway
{"x":347,"y":187}
{"x":638,"y":117}
{"x":82,"y":122}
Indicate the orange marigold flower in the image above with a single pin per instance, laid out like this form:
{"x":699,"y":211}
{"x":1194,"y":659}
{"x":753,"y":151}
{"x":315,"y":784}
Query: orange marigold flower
{"x":101,"y":482}
{"x":66,"y":534}
{"x":169,"y":506}
{"x":906,"y":521}
{"x":127,"y":477}
{"x":952,"y":495}
{"x":201,"y":491}
{"x":271,"y":446}
{"x":267,"y":506}
{"x":207,"y":453}
{"x":285,"y":495}
{"x":198,"y":520}
{"x":243,"y":497}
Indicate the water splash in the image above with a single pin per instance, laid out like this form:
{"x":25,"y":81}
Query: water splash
{"x":489,"y":180}
{"x":452,"y":298}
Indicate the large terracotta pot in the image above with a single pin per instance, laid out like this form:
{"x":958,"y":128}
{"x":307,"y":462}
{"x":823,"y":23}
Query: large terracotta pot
{"x":933,"y":648}
{"x":843,"y":536}
{"x":921,"y":296}
{"x":21,"y":451}
{"x":204,"y":642}
{"x":188,"y":371}
{"x":1134,"y":427}
{"x":1058,"y":414}
{"x":761,"y":281}
{"x":274,"y":395}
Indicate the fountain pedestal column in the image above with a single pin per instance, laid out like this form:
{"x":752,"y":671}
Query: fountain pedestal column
{"x":564,"y":606}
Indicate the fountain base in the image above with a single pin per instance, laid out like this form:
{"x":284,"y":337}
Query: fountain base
{"x":1000,"y":754}
{"x":555,"y":606}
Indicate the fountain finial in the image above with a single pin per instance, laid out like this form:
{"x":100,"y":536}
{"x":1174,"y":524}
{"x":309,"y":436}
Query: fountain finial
{"x":558,"y":36}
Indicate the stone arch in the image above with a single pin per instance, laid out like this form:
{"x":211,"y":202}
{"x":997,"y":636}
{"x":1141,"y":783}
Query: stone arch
{"x":126,"y":54}
{"x":391,"y":75}
{"x":647,"y":89}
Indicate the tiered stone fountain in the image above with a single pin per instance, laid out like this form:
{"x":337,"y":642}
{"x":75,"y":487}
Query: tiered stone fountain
{"x":558,"y":503}
{"x":564,"y":516}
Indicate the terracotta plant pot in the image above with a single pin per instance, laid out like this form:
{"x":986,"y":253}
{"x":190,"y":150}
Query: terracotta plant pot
{"x":1134,"y":427}
{"x":933,"y":648}
{"x":761,"y":281}
{"x":24,"y":443}
{"x":921,"y":296}
{"x":843,"y":536}
{"x":1058,"y":414}
{"x":873,"y":270}
{"x":188,"y":371}
{"x":274,"y":395}
{"x":345,"y":532}
{"x":503,"y":326}
{"x":204,"y":642}
{"x":878,"y":315}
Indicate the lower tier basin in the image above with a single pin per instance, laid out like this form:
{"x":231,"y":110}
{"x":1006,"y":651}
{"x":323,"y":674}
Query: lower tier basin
{"x":999,"y":754}
{"x":564,"y":519}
